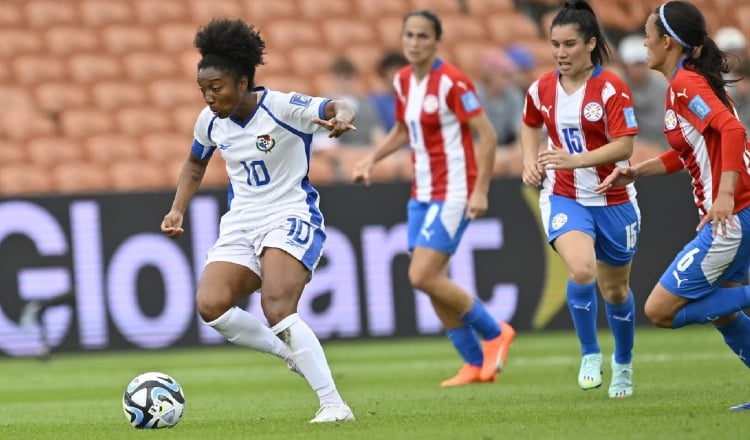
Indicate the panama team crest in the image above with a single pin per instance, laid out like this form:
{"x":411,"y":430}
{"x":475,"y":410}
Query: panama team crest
{"x":265,"y":143}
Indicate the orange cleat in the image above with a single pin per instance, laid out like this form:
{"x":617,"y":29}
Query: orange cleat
{"x":466,"y":375}
{"x":495,"y":353}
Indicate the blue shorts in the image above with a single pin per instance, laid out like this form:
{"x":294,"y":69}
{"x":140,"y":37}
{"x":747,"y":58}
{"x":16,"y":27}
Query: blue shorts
{"x":437,"y":225}
{"x":707,"y":262}
{"x":615,"y":229}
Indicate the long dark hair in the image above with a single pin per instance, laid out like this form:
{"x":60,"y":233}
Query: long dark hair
{"x":232,"y":46}
{"x":579,"y":13}
{"x":686,"y":25}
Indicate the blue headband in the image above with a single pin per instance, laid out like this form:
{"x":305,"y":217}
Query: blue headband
{"x":671,"y":33}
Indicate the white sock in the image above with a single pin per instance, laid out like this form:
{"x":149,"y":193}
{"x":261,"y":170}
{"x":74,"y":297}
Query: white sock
{"x":308,"y":356}
{"x":243,"y":328}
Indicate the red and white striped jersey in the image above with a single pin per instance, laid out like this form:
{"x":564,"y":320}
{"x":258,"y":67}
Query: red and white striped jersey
{"x":435,"y":111}
{"x":698,"y":126}
{"x":601,"y":110}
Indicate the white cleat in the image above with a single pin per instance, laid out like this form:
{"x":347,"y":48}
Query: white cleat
{"x":336,"y":412}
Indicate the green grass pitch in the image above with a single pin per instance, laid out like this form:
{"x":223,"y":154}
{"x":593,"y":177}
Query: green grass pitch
{"x":684,"y":382}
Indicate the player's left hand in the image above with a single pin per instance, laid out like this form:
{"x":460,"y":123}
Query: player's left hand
{"x":557,"y":159}
{"x":477,"y":205}
{"x":336,"y":126}
{"x":720,"y":215}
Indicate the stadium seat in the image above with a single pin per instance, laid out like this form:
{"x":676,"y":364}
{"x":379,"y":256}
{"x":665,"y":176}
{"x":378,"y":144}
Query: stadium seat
{"x":309,"y":62}
{"x":364,"y":56}
{"x":141,"y":120}
{"x":11,"y":15}
{"x":275,"y":62}
{"x":119,"y":39}
{"x":20,"y":126}
{"x":34,"y":69}
{"x":4,"y":73}
{"x":46,"y":151}
{"x":16,"y":99}
{"x":99,"y":13}
{"x":469,"y":56}
{"x":442,"y":8}
{"x":41,"y":14}
{"x":287,"y":83}
{"x":215,"y":177}
{"x":111,"y":95}
{"x":135,"y":175}
{"x":66,"y":40}
{"x":24,"y":179}
{"x":286,"y":34}
{"x":176,"y":37}
{"x":202,"y":11}
{"x":164,"y":11}
{"x":742,"y":18}
{"x":326,"y":9}
{"x":183,"y":119}
{"x":511,"y":28}
{"x":188,"y":65}
{"x":164,"y":147}
{"x":460,"y":28}
{"x":389,"y":30}
{"x":80,"y":177}
{"x":79,"y":123}
{"x":92,"y":67}
{"x":15,"y":42}
{"x":369,"y":10}
{"x":108,"y":148}
{"x":171,"y":92}
{"x":55,"y":97}
{"x":341,"y":32}
{"x":259,"y":12}
{"x":481,"y":8}
{"x":145,"y":66}
{"x":13,"y":152}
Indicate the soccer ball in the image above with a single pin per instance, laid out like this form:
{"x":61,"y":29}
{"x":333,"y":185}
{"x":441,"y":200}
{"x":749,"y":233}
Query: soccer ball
{"x":153,"y":400}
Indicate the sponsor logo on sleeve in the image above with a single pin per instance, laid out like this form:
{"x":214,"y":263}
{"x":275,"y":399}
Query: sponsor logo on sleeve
{"x":630,"y":120}
{"x":301,"y":100}
{"x":698,"y":106}
{"x":470,"y":101}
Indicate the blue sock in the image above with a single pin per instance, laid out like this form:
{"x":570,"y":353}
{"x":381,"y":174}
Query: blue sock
{"x":481,"y":320}
{"x":737,"y":336}
{"x":467,"y":344}
{"x":621,"y":318}
{"x":583,"y":306}
{"x":722,"y":302}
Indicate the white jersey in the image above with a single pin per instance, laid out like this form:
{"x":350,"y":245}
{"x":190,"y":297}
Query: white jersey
{"x":267,"y":159}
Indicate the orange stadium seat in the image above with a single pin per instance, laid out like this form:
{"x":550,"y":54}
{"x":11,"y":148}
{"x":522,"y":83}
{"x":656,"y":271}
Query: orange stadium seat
{"x":285,"y":34}
{"x":11,"y":15}
{"x":372,"y":10}
{"x":65,"y":40}
{"x":469,"y":56}
{"x":389,"y":31}
{"x":13,"y":152}
{"x":440,"y":7}
{"x":16,"y":99}
{"x":98,"y":13}
{"x":259,"y":12}
{"x":184,"y":117}
{"x":164,"y":11}
{"x":364,"y":56}
{"x":57,"y":96}
{"x":176,"y":37}
{"x":46,"y":151}
{"x":215,"y":177}
{"x":275,"y":62}
{"x":4,"y":73}
{"x":288,"y":83}
{"x":89,"y":67}
{"x":119,"y":39}
{"x":325,"y":9}
{"x":146,"y":66}
{"x":342,"y":32}
{"x":171,"y":92}
{"x":24,"y":179}
{"x":163,"y":147}
{"x":111,"y":95}
{"x":79,"y":123}
{"x":460,"y":28}
{"x":23,"y":125}
{"x":41,"y":14}
{"x":109,"y":148}
{"x":71,"y":177}
{"x":141,"y":120}
{"x":202,"y":11}
{"x":511,"y":28}
{"x":742,"y":18}
{"x":480,"y":8}
{"x":188,"y":67}
{"x":19,"y":42}
{"x":33,"y":69}
{"x":312,"y":60}
{"x":138,"y":175}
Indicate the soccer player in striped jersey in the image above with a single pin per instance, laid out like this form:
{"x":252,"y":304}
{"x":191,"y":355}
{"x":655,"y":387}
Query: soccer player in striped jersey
{"x":437,"y":111}
{"x":587,"y":111}
{"x":272,"y":236}
{"x":703,"y":283}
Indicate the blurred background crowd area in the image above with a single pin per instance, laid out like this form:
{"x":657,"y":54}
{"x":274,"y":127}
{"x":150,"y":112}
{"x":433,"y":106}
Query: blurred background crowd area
{"x":100,"y":95}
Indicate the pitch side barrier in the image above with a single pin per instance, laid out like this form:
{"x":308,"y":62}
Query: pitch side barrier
{"x":134,"y":287}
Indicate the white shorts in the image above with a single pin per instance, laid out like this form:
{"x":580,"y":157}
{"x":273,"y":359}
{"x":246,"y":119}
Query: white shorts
{"x":293,"y":235}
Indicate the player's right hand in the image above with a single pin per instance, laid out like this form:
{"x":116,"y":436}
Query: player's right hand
{"x":172,"y":225}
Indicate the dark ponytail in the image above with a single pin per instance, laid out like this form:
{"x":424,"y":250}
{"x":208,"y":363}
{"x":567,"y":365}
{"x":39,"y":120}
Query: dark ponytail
{"x":579,"y":13}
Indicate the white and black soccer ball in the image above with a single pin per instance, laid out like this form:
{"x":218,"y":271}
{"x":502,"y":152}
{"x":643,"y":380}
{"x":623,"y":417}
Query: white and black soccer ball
{"x":153,"y":400}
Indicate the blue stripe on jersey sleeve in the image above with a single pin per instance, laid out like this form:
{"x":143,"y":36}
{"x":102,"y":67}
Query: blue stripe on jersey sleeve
{"x":322,"y":109}
{"x":201,"y":151}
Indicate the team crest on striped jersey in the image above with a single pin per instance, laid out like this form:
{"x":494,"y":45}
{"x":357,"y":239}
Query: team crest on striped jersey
{"x":670,"y":119}
{"x":265,"y":143}
{"x":593,"y":111}
{"x":430,"y":104}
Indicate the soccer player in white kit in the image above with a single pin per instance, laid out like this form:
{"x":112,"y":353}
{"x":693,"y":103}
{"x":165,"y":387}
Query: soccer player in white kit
{"x":437,"y":112}
{"x":272,"y":236}
{"x":588,"y":113}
